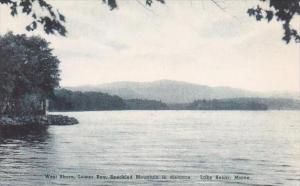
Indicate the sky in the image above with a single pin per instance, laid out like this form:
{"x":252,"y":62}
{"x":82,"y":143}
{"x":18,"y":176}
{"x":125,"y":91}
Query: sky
{"x":185,"y":40}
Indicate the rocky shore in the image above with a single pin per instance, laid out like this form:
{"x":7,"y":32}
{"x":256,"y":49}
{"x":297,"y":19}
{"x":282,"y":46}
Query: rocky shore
{"x":37,"y":120}
{"x":24,"y":125}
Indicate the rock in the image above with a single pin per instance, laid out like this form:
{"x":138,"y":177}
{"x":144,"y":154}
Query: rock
{"x":6,"y":120}
{"x":23,"y":125}
{"x":61,"y":120}
{"x":37,"y":120}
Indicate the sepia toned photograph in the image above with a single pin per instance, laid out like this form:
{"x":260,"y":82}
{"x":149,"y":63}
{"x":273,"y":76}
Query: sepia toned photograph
{"x":149,"y":92}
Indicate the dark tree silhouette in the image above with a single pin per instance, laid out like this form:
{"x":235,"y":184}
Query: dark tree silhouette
{"x":53,"y":21}
{"x":66,"y":100}
{"x":113,"y":3}
{"x":27,"y":66}
{"x":283,"y":11}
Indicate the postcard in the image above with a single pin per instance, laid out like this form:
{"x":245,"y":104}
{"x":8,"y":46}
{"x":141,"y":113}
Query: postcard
{"x":149,"y":92}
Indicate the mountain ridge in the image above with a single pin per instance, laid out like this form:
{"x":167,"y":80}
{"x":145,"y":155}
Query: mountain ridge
{"x":168,"y":91}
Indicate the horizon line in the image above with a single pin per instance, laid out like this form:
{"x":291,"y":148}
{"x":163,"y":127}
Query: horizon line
{"x":181,"y":81}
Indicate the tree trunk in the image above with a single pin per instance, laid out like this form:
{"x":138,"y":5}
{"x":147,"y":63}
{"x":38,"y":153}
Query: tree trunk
{"x":3,"y":105}
{"x":44,"y":106}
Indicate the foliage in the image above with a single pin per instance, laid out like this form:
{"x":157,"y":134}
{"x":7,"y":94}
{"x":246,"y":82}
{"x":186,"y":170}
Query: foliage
{"x":283,"y":11}
{"x":27,"y":66}
{"x":271,"y":103}
{"x":274,"y":103}
{"x":141,"y":104}
{"x":227,"y":104}
{"x":9,"y":67}
{"x":113,"y":3}
{"x":65,"y":100}
{"x":52,"y":21}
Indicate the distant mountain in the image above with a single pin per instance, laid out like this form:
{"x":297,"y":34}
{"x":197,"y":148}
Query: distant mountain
{"x":167,"y":91}
{"x":289,"y":95}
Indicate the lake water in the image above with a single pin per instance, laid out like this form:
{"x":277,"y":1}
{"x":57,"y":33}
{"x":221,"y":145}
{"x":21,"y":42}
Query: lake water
{"x":260,"y":147}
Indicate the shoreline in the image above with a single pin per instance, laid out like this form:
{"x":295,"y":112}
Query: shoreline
{"x":65,"y":111}
{"x":39,"y":120}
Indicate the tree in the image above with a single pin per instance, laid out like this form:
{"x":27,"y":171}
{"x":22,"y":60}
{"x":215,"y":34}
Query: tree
{"x":284,"y":11}
{"x":27,"y":66}
{"x":66,"y":100}
{"x":8,"y":74}
{"x":53,"y":21}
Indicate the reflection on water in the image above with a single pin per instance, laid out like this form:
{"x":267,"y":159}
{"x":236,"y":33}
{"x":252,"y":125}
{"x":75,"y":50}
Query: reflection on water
{"x":263,"y":146}
{"x":22,"y":131}
{"x":23,"y":155}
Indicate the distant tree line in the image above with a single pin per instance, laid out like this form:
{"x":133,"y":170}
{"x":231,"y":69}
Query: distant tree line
{"x":66,"y":100}
{"x":227,"y":104}
{"x":140,"y":104}
{"x":254,"y":103}
{"x":272,"y":103}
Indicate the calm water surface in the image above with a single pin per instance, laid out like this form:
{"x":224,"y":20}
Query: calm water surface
{"x":263,"y":145}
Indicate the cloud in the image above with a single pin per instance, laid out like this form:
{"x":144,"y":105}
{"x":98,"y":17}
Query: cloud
{"x":191,"y":41}
{"x":117,"y":46}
